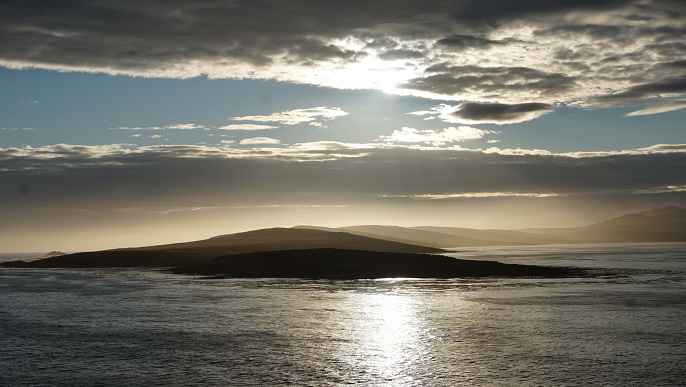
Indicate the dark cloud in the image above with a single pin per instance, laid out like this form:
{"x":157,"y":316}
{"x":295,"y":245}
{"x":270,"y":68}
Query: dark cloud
{"x":461,"y":42}
{"x":618,"y":34}
{"x":496,"y":11}
{"x":129,"y":36}
{"x":490,"y":81}
{"x":499,"y":112}
{"x":679,"y":65}
{"x":400,"y":54}
{"x":648,"y":90}
{"x":638,"y":18}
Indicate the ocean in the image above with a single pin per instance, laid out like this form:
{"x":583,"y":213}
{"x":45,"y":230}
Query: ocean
{"x":141,"y":328}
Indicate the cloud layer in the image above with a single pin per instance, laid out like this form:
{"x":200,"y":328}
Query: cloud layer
{"x":581,"y":53}
{"x":118,"y":175}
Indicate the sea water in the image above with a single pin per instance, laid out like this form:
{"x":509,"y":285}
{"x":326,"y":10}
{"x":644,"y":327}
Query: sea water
{"x":128,"y":327}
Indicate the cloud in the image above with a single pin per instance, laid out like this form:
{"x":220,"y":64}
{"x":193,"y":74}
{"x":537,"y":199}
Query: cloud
{"x":624,"y":51}
{"x":247,"y":127}
{"x":185,"y":126}
{"x":399,"y":54}
{"x":667,"y":87}
{"x":496,"y":113}
{"x":666,"y":106}
{"x":297,"y":116}
{"x":486,"y":113}
{"x":665,"y":189}
{"x":461,"y":42}
{"x":436,"y":137}
{"x":259,"y":141}
{"x":172,"y":127}
{"x":16,"y":129}
{"x":477,"y":195}
{"x":664,"y":148}
{"x":479,"y":82}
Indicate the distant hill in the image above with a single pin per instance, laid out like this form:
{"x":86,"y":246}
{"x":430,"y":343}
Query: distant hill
{"x":661,"y":225}
{"x":423,"y":236}
{"x":663,"y":211}
{"x":272,"y":239}
{"x":442,"y":237}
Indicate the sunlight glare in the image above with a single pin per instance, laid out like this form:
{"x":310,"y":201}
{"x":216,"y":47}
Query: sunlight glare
{"x":390,"y":328}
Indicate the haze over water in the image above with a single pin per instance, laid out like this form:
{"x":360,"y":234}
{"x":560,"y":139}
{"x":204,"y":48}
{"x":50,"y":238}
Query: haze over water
{"x":115,"y":327}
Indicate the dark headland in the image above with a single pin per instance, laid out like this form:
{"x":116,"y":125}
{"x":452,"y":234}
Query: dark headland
{"x":356,"y":264}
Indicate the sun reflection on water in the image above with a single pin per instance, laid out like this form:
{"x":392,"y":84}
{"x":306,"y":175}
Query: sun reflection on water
{"x":384,"y":336}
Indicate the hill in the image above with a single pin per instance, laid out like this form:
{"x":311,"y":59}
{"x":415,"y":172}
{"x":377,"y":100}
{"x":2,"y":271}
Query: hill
{"x":252,"y":241}
{"x":661,"y":225}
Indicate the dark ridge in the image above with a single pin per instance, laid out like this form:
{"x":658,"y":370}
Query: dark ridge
{"x":357,"y":264}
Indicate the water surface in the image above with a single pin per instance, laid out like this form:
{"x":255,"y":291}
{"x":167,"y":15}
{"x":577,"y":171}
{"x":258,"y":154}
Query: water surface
{"x":112,"y":327}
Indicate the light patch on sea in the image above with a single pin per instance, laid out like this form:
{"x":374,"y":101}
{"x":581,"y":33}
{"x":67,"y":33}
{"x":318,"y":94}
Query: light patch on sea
{"x":127,"y":327}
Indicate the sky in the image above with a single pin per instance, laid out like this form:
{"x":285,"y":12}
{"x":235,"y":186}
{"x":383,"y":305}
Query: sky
{"x":127,"y":123}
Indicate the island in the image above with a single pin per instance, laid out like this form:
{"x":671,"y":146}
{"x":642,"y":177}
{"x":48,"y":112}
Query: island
{"x":298,"y":253}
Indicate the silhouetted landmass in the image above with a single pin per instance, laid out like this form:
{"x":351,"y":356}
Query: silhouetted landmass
{"x":178,"y":254}
{"x":661,"y":225}
{"x":54,"y":253}
{"x":355,"y":264}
